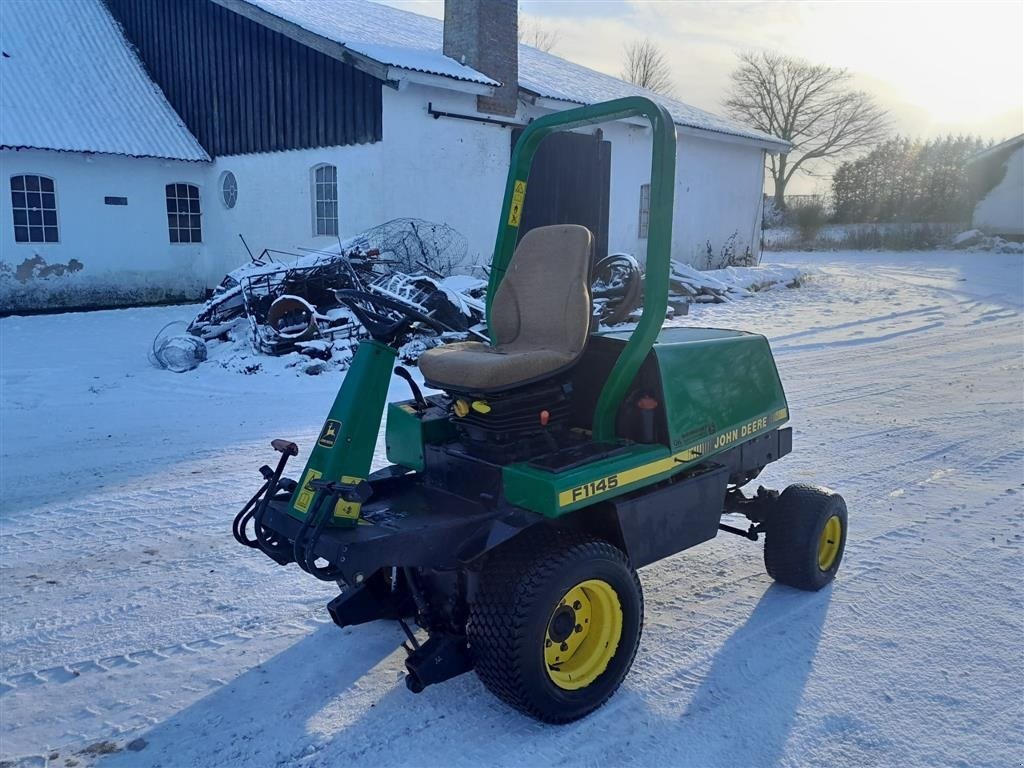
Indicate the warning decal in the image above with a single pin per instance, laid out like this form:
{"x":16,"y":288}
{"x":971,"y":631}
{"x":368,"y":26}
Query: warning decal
{"x":515,"y":212}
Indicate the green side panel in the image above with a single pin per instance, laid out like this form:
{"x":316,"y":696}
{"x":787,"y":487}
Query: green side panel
{"x":721,"y":388}
{"x":407,"y":432}
{"x":540,"y":491}
{"x":716,"y":381}
{"x":344,"y":449}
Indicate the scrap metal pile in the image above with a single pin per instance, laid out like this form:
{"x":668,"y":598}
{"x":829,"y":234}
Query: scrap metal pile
{"x":288,"y":302}
{"x":618,"y":289}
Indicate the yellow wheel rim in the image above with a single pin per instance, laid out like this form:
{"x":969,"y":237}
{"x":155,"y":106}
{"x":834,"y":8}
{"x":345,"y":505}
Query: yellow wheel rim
{"x":583,"y":634}
{"x":828,"y":545}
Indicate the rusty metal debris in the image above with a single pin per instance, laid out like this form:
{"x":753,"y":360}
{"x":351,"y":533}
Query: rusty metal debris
{"x":289,"y":304}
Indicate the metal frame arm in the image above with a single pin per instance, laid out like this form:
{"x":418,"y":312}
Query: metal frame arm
{"x":659,"y":233}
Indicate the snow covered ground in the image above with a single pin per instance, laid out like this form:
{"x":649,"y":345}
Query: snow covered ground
{"x":132,"y":624}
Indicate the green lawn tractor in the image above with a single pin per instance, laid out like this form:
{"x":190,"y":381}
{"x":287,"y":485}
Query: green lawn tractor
{"x":558,"y":460}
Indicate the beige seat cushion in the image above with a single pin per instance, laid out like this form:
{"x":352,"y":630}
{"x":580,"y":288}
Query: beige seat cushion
{"x":540,"y":317}
{"x":477,"y":367}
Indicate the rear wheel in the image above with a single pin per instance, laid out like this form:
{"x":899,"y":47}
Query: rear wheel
{"x":805,"y":537}
{"x":555,"y":624}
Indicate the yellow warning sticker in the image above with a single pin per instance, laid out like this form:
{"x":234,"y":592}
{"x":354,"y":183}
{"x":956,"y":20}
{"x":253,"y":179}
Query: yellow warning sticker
{"x":515,"y":212}
{"x":348,"y":509}
{"x":306,"y":494}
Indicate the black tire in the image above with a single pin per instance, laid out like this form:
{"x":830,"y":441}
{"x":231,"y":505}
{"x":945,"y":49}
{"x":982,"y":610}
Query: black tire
{"x":794,"y":533}
{"x":520,"y":587}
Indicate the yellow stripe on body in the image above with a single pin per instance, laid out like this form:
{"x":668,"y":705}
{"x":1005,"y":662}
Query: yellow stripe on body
{"x":617,"y":480}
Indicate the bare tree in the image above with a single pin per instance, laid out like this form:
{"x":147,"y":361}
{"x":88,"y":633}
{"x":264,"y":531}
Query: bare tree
{"x":533,"y":33}
{"x":646,"y":65}
{"x":812,"y":106}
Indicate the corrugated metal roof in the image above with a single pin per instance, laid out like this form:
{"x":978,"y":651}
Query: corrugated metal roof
{"x":387,"y":35}
{"x":69,"y":81}
{"x":556,"y":78}
{"x":409,"y":41}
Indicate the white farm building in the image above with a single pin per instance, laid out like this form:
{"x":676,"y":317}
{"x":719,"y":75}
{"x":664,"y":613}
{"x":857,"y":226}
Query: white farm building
{"x":140,"y":138}
{"x":998,"y":176}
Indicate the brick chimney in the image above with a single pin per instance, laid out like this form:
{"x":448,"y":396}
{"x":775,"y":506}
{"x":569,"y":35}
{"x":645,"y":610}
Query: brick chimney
{"x":484,"y":35}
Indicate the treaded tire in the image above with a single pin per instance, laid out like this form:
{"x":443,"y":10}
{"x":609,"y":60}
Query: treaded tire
{"x":793,"y":533}
{"x":521,"y":583}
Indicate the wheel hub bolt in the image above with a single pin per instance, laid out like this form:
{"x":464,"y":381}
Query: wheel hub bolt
{"x":577,"y":605}
{"x":579,"y":627}
{"x":547,"y":643}
{"x":564,"y":646}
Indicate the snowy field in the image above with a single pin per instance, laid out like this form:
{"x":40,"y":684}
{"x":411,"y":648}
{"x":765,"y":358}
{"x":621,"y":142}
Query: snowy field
{"x":129,"y":615}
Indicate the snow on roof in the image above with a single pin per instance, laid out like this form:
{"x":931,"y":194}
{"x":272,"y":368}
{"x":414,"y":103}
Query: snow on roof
{"x":556,"y":78}
{"x":70,"y":81}
{"x":387,"y":35}
{"x":1002,"y":146}
{"x":410,"y":41}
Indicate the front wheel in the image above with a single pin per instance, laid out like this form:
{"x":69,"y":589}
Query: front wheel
{"x":805,"y":536}
{"x":555,"y":624}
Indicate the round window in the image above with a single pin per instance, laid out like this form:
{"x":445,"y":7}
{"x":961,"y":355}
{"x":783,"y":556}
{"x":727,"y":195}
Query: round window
{"x":228,"y":189}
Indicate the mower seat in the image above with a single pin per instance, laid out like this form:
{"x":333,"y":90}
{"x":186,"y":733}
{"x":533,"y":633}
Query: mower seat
{"x":540,"y":318}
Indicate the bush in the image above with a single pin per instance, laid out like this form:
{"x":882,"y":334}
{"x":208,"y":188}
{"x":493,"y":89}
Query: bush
{"x":809,"y":220}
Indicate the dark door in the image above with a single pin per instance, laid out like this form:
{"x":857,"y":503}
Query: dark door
{"x":569,"y":184}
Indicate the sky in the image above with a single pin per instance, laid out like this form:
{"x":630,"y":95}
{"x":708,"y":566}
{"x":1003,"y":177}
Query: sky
{"x":938,"y":67}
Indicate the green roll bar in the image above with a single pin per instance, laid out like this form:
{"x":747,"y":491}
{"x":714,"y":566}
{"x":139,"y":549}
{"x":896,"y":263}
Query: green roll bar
{"x":659,"y":233}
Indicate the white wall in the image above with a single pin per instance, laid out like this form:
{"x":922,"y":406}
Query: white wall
{"x":1001,"y":211}
{"x":445,"y":170}
{"x":125,"y":251}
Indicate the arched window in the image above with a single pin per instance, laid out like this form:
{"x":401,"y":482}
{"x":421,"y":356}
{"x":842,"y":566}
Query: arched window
{"x":183,"y":215}
{"x":34,"y":208}
{"x":325,"y":200}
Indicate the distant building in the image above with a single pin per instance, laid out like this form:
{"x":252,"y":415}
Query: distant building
{"x":998,"y":176}
{"x":140,"y":137}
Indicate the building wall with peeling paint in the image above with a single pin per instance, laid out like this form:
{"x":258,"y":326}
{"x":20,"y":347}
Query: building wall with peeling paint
{"x":445,"y":170}
{"x":118,"y":254}
{"x":453,"y":171}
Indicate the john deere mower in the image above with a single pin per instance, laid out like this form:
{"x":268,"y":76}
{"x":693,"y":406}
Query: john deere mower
{"x":557,"y":460}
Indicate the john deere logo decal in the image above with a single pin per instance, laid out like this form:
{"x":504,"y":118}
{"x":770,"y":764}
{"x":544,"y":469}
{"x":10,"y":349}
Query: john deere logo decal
{"x":329,"y":435}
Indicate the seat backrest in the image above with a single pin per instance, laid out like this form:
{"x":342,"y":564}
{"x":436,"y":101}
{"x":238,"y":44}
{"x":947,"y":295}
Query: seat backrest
{"x":543,"y":301}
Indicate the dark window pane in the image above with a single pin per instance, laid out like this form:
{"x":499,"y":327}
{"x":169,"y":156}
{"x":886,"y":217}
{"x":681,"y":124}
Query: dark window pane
{"x":49,"y":201}
{"x":46,"y":184}
{"x":194,"y":221}
{"x":50,"y":218}
{"x":35,"y":234}
{"x":35,"y":200}
{"x":21,"y":234}
{"x":172,"y":205}
{"x":35,"y":216}
{"x":197,"y":235}
{"x":20,"y":217}
{"x":18,"y":199}
{"x":193,"y":206}
{"x":51,"y":234}
{"x":172,"y":220}
{"x":17,"y":182}
{"x":174,"y":235}
{"x":193,"y":192}
{"x":32,"y":183}
{"x":332,"y":227}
